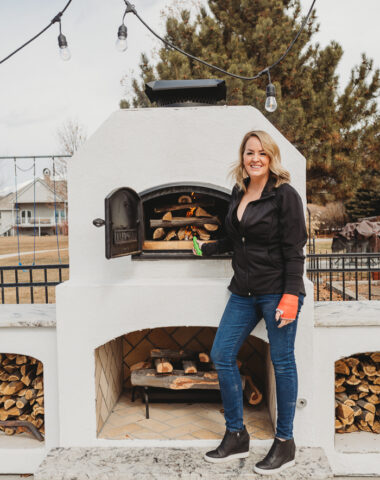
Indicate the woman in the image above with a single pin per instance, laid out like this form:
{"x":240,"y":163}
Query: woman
{"x":266,"y":231}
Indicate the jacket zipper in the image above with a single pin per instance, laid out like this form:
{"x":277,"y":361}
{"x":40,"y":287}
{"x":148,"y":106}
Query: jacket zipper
{"x":271,"y":194}
{"x":246,"y":270}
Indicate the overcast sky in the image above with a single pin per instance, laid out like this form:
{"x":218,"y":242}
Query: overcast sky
{"x":38,"y":91}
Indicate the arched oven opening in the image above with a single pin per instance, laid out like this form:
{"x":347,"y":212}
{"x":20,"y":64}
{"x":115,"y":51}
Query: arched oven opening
{"x":162,"y":221}
{"x":159,"y":383}
{"x":174,"y":213}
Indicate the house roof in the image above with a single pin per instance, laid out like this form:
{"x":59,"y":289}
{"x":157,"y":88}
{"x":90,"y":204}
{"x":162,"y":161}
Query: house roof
{"x":10,"y":188}
{"x":7,"y":201}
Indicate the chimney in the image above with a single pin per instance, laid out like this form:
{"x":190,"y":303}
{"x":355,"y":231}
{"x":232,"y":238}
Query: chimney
{"x":186,"y":93}
{"x":46,"y":173}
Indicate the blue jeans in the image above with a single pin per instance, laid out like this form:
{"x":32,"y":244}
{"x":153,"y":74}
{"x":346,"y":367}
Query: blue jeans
{"x":240,"y":317}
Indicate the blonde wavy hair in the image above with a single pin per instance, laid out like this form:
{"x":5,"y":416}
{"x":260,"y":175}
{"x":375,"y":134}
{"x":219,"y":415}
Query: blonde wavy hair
{"x":239,"y":173}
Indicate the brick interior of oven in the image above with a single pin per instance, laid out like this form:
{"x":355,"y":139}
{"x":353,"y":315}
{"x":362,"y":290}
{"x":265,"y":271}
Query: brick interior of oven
{"x":120,"y":418}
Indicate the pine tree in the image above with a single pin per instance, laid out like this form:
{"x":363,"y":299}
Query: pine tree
{"x":330,"y":129}
{"x":366,"y":203}
{"x":366,"y":200}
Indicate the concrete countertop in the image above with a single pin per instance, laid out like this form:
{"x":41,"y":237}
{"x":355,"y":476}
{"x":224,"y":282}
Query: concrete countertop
{"x":327,"y":314}
{"x":27,"y":315}
{"x":362,"y":313}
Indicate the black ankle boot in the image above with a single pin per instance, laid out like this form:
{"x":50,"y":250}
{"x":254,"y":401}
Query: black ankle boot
{"x":280,"y":456}
{"x":234,"y":445}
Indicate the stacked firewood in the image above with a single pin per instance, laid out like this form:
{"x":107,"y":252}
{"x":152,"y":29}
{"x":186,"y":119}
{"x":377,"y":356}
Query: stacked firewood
{"x":21,"y":392}
{"x":184,"y":369}
{"x":357,"y":393}
{"x":182,"y":220}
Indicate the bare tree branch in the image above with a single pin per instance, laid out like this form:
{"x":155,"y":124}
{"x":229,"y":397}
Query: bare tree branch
{"x":71,"y":135}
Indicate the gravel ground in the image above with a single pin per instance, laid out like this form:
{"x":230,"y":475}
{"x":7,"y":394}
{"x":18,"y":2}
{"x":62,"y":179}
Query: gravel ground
{"x":30,"y":477}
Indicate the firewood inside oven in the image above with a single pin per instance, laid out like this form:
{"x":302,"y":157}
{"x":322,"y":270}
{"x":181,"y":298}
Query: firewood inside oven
{"x":183,"y":221}
{"x":184,"y":206}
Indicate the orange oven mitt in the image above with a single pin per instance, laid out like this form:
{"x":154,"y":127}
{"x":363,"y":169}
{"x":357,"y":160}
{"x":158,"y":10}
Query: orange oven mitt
{"x":288,"y":306}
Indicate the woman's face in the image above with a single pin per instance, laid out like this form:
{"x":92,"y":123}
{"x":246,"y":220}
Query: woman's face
{"x":256,"y":161}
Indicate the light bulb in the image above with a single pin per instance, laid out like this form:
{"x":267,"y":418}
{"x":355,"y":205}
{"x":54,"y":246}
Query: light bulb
{"x":64,"y":51}
{"x":270,"y":102}
{"x":121,"y":42}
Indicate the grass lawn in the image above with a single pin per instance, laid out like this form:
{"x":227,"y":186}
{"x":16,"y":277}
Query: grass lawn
{"x":8,"y":245}
{"x":323,"y":245}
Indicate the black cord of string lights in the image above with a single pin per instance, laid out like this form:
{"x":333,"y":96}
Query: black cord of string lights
{"x":270,"y":104}
{"x":131,"y":8}
{"x":56,"y":19}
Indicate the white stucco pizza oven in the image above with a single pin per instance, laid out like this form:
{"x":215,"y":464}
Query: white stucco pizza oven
{"x":145,"y":156}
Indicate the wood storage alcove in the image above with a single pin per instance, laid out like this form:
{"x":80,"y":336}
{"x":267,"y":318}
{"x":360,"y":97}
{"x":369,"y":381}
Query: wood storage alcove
{"x":357,"y":393}
{"x":21,"y":396}
{"x":172,"y":366}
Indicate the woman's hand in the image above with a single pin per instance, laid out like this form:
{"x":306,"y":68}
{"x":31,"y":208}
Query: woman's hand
{"x":284,"y":321}
{"x":200,"y":243}
{"x":287,"y":309}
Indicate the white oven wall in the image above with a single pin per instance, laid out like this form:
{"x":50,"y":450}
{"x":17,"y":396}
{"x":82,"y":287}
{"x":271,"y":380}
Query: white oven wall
{"x":142,"y":148}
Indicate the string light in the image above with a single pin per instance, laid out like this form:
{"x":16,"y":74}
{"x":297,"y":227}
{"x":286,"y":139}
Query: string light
{"x":62,"y":43}
{"x":270,"y":102}
{"x":121,"y":45}
{"x":122,"y":33}
{"x":121,"y":42}
{"x":56,"y":19}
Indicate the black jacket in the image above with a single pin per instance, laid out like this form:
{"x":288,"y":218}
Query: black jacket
{"x":268,"y":242}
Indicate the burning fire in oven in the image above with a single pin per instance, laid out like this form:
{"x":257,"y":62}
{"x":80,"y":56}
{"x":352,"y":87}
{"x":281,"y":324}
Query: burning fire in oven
{"x":190,"y":213}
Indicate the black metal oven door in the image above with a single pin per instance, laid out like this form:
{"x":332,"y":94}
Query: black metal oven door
{"x":124,"y":225}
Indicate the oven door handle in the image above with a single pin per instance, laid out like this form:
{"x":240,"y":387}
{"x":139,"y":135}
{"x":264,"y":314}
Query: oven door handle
{"x":98,"y":222}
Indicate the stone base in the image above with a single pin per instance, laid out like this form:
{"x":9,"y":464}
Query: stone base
{"x":108,"y":463}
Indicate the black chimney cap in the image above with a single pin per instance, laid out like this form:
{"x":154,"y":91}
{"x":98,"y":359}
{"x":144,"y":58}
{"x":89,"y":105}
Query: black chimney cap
{"x":186,"y":92}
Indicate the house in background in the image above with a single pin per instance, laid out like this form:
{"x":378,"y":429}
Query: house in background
{"x":35,"y":208}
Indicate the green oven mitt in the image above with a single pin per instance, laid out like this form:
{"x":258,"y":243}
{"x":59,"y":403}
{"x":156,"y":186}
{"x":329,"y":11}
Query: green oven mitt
{"x":196,"y":246}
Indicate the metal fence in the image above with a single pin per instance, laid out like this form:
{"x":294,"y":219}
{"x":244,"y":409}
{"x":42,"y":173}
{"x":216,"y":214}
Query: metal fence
{"x":310,"y":245}
{"x":344,"y":276}
{"x":31,"y":283}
